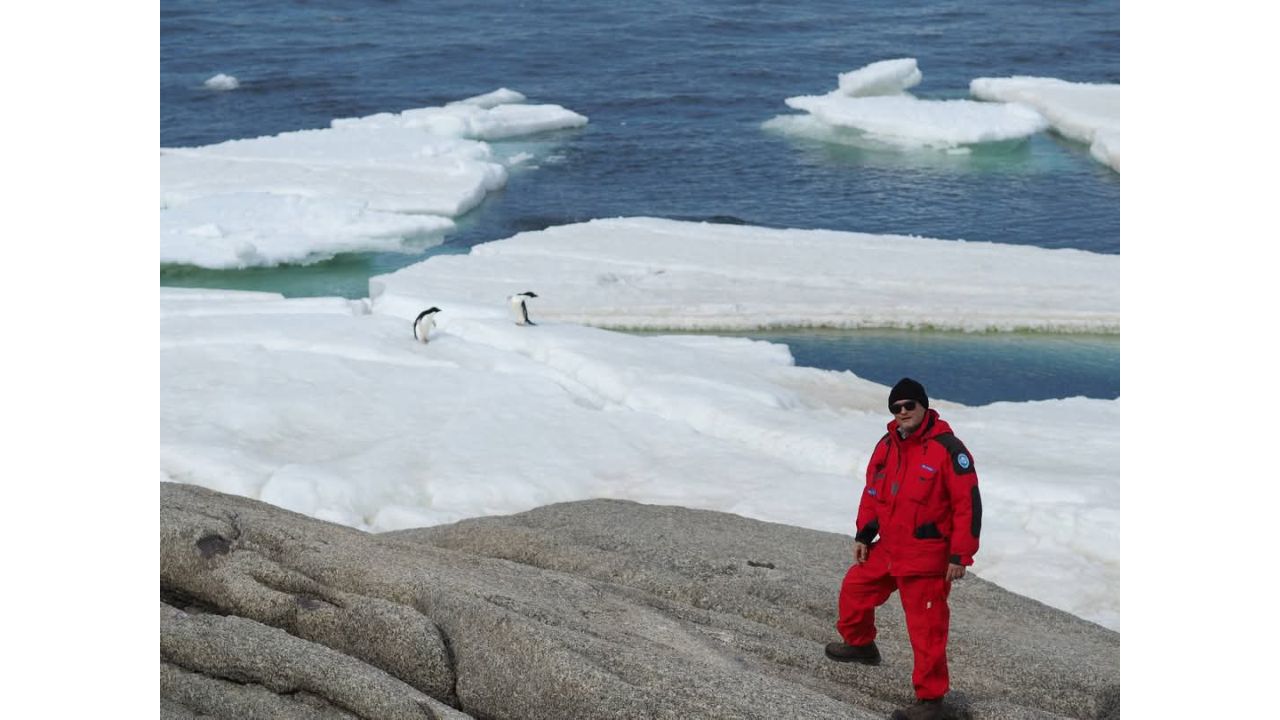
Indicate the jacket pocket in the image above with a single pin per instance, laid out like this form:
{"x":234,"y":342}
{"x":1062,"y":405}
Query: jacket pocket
{"x":878,"y":489}
{"x":928,"y":531}
{"x":920,"y":485}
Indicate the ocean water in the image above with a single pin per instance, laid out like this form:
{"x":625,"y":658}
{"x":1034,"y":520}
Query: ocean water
{"x":676,"y":93}
{"x":969,"y":368}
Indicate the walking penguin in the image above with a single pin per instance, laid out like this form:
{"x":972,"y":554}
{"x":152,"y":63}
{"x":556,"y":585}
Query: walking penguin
{"x":520,"y":308}
{"x":423,"y":324}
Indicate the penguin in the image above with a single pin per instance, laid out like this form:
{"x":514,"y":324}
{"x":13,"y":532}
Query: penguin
{"x":519,"y":308}
{"x":423,"y":324}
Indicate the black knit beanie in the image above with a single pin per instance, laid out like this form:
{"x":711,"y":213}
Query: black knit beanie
{"x":908,"y":389}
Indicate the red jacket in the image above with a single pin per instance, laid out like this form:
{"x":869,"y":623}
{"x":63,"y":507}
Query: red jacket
{"x":922,"y":500}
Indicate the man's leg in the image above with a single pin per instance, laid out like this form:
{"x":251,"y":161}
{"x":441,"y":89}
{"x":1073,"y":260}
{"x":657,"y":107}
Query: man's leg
{"x":924,"y":601}
{"x":865,"y":587}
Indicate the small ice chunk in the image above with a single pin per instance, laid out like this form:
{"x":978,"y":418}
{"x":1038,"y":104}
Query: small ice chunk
{"x":886,"y":77}
{"x":222,"y":82}
{"x":501,"y":96}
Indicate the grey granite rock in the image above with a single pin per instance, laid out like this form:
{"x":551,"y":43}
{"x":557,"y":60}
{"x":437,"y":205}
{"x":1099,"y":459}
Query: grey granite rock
{"x":192,"y":694}
{"x":277,"y":674}
{"x":596,"y":609}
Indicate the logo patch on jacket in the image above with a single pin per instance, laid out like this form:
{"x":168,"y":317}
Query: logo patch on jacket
{"x":963,"y":461}
{"x":871,"y":491}
{"x":927,"y":467}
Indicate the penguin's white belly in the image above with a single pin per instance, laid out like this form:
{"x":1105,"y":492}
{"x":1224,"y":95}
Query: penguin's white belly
{"x":422,"y":329}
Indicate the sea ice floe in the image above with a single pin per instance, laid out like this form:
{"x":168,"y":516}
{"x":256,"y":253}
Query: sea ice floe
{"x":1087,"y":112}
{"x":303,"y":196}
{"x":871,"y":107}
{"x":910,"y":122}
{"x":649,"y":273}
{"x":319,"y":406}
{"x":243,"y":229}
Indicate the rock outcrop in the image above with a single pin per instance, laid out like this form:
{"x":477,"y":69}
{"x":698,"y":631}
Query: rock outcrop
{"x":593,"y":609}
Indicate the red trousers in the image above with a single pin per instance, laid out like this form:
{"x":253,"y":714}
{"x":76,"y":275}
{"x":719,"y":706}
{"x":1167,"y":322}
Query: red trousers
{"x":924,"y":601}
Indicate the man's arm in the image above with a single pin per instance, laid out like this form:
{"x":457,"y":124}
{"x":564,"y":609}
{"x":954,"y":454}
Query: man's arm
{"x":966,"y":505}
{"x":868,"y":521}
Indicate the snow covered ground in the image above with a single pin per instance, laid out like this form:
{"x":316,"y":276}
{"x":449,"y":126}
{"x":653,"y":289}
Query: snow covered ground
{"x":385,"y":182}
{"x":1087,"y":112}
{"x":329,"y":407}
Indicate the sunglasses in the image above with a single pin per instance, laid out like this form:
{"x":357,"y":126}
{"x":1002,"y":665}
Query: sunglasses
{"x":907,"y":405}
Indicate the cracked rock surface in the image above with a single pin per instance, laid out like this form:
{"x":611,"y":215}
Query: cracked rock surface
{"x":593,"y":609}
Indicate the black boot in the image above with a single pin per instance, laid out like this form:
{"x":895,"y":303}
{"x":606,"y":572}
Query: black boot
{"x":922,"y":710}
{"x":867,"y":654}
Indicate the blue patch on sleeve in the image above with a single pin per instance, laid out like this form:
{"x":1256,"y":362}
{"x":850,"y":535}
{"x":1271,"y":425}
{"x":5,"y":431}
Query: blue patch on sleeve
{"x":963,"y":460}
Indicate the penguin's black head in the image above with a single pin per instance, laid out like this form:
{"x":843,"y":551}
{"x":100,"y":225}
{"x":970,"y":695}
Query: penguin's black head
{"x":425,"y":313}
{"x":530,"y":293}
{"x":432,"y":310}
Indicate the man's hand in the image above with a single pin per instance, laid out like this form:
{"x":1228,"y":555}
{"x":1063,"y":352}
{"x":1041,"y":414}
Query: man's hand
{"x":954,"y":572}
{"x":860,"y":552}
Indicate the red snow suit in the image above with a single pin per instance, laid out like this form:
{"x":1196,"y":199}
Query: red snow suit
{"x":922,"y":499}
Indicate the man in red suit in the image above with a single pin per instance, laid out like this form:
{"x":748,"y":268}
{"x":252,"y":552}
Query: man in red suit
{"x":921,"y":500}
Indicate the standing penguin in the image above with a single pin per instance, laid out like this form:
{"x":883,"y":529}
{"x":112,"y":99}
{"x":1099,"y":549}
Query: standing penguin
{"x":423,"y":324}
{"x":519,"y":308}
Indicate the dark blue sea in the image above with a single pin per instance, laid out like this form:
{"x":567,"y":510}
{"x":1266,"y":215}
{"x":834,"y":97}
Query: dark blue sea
{"x":676,"y":93}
